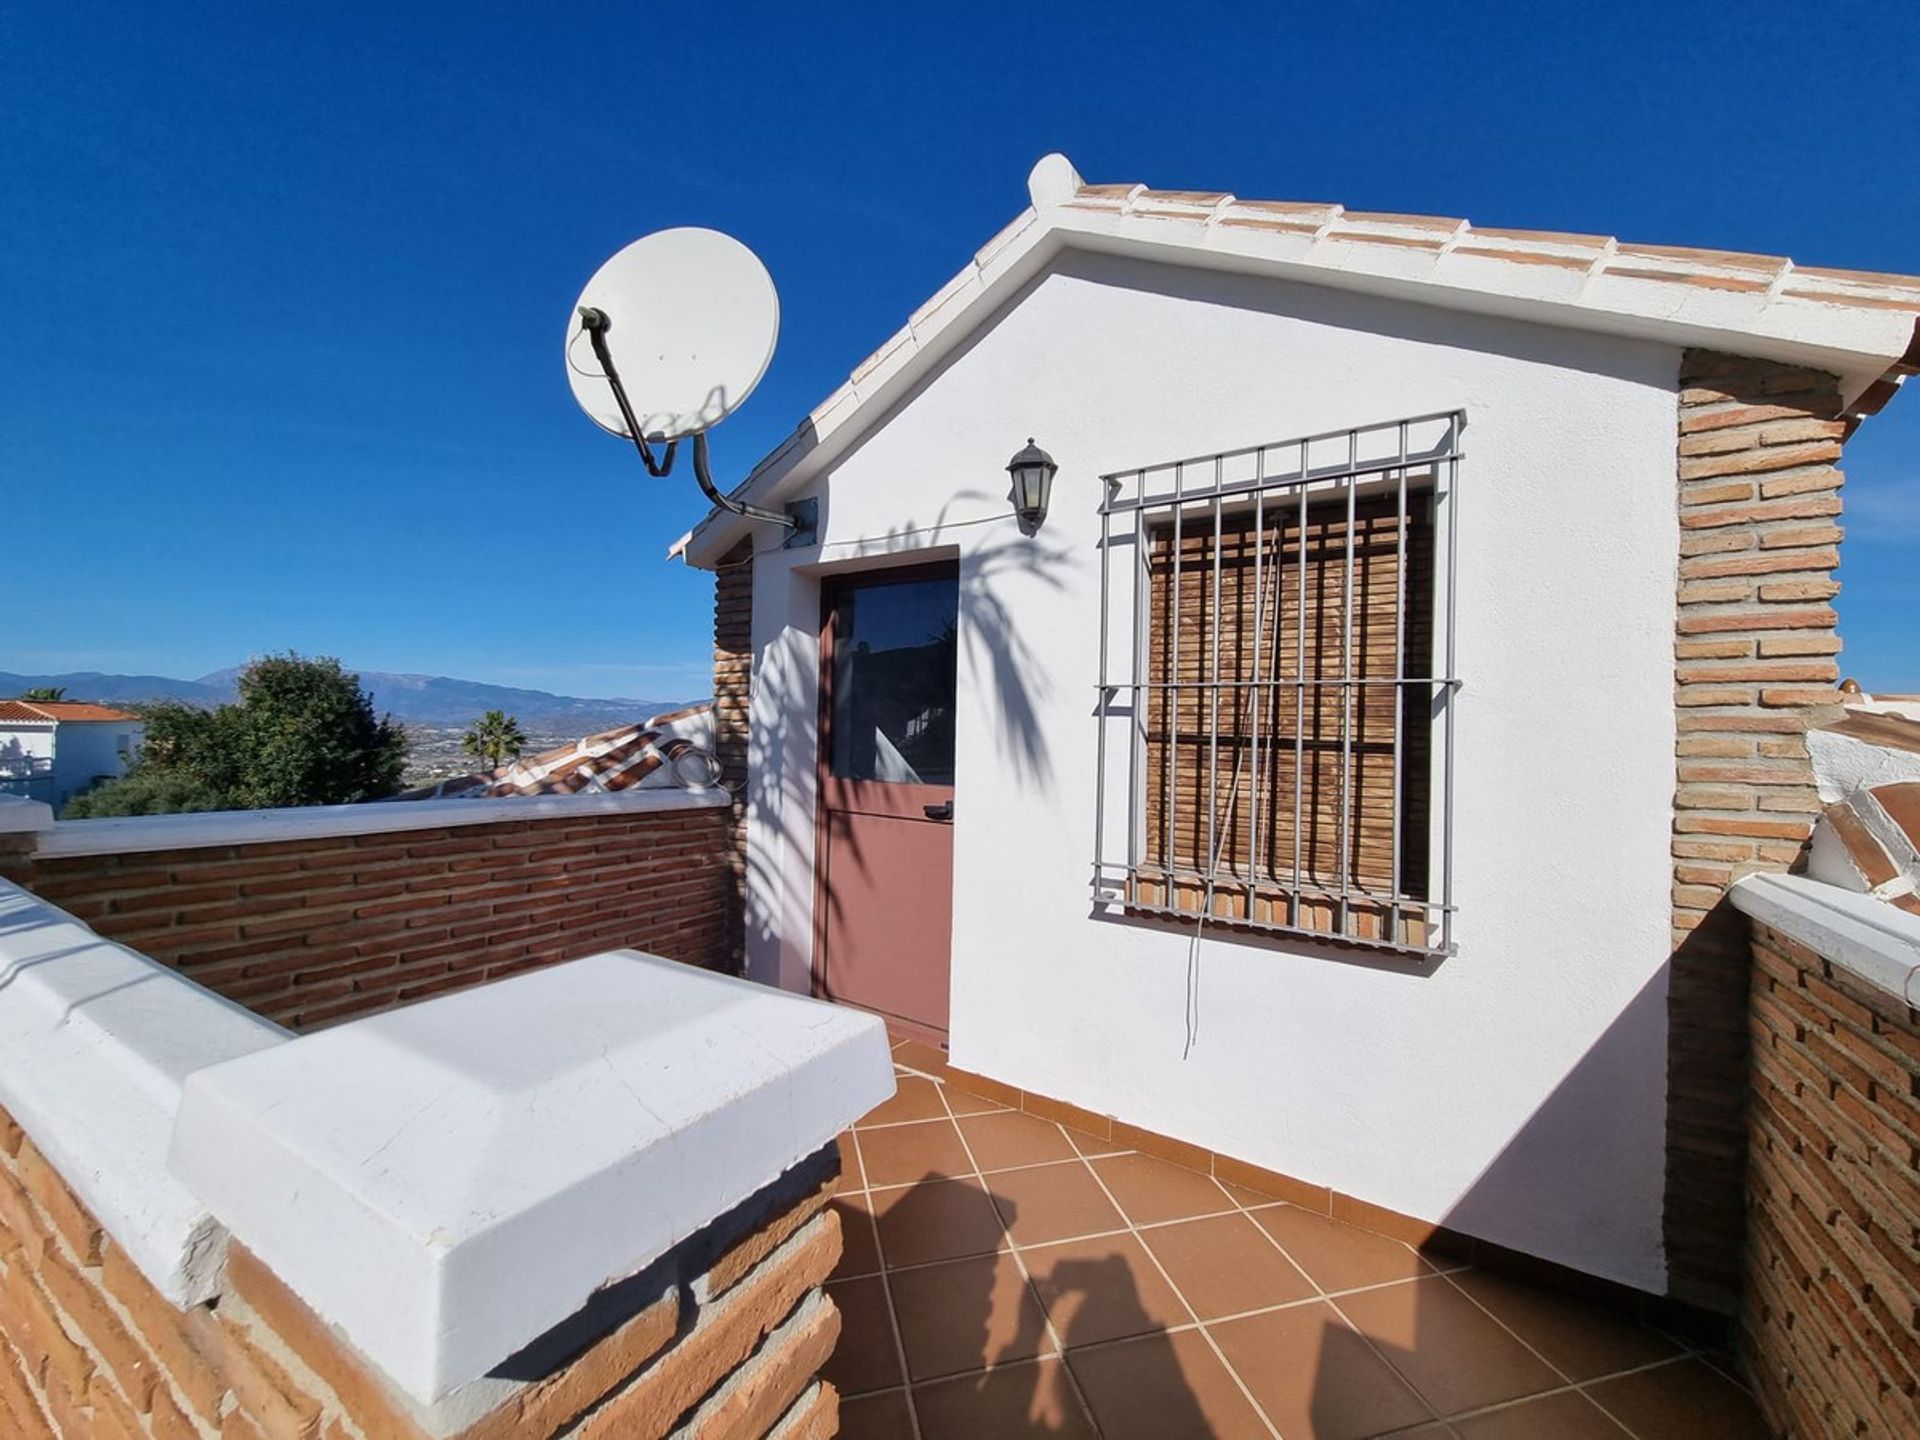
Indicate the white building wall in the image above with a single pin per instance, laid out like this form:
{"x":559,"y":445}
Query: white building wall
{"x":35,"y":741}
{"x":88,"y":750}
{"x":1515,"y":1091}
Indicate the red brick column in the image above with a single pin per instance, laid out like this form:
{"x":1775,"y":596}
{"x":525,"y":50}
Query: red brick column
{"x":1754,"y":655}
{"x":732,"y":693}
{"x":1830,"y":1319}
{"x":720,"y":1339}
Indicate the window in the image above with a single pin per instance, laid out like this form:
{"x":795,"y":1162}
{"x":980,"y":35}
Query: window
{"x":894,"y":662}
{"x":1275,"y":692}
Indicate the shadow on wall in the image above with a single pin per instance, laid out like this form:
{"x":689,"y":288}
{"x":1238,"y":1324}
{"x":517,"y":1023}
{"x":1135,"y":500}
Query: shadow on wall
{"x":1000,"y":664}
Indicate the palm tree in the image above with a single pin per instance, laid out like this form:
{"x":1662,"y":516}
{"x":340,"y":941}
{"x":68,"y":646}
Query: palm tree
{"x":45,"y":692}
{"x":494,"y":739}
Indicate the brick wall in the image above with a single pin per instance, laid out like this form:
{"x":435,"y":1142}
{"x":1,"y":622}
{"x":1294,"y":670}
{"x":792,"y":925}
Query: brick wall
{"x":1830,"y":1319}
{"x":721,"y":1338}
{"x":1754,"y":665}
{"x":310,"y":932}
{"x":732,"y":687}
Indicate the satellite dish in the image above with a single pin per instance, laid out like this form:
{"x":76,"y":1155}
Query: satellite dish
{"x":689,"y":318}
{"x":667,"y":340}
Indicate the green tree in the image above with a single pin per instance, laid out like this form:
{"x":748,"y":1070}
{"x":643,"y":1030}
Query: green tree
{"x":45,"y":692}
{"x":145,"y":792}
{"x":494,"y":739}
{"x":302,"y":732}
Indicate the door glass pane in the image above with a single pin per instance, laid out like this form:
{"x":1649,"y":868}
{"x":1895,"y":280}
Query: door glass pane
{"x":894,"y":648}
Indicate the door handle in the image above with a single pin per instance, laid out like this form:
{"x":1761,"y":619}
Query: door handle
{"x":942,"y":811}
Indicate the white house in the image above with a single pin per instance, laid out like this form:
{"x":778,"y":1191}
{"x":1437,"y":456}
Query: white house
{"x":1345,"y":775}
{"x":51,"y":750}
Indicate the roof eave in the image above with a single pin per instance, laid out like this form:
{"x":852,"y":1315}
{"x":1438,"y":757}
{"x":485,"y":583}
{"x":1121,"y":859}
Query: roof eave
{"x":1745,"y":305}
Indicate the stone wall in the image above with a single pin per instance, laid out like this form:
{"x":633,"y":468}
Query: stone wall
{"x":1754,"y":666}
{"x":1830,"y":1320}
{"x":720,"y":1338}
{"x":311,"y":931}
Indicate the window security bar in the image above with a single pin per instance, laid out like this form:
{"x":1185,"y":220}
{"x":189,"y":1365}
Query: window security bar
{"x":1286,"y":683}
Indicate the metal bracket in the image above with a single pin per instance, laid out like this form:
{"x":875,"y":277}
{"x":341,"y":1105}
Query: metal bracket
{"x":804,"y":516}
{"x":597,"y":324}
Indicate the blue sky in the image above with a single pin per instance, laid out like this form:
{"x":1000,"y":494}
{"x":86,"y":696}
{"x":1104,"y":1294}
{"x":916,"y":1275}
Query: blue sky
{"x":282,"y":293}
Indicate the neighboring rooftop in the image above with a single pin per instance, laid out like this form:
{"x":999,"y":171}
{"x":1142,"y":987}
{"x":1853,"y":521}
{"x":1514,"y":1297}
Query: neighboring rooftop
{"x":42,"y":711}
{"x":601,"y":764}
{"x":1856,"y":324}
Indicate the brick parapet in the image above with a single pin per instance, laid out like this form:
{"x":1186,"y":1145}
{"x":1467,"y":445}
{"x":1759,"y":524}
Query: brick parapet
{"x":1755,"y":666}
{"x":309,"y":932}
{"x":721,"y":1339}
{"x":1830,"y":1317}
{"x":732,"y":726}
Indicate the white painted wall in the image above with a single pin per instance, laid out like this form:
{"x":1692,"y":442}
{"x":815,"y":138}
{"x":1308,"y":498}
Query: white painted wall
{"x":1516,"y":1091}
{"x":82,"y":751}
{"x":35,"y":740}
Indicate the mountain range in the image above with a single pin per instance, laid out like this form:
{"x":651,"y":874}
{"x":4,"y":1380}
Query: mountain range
{"x":430,"y":700}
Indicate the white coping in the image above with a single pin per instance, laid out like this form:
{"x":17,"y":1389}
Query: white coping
{"x":1863,"y":935}
{"x":19,"y":815}
{"x":95,"y":1041}
{"x":257,"y":827}
{"x":447,"y":1182}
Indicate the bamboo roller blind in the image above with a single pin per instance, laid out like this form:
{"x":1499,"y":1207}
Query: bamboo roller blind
{"x":1227,"y":782}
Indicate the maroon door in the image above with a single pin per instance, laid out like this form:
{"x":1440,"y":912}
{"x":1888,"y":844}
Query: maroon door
{"x":883,"y":910}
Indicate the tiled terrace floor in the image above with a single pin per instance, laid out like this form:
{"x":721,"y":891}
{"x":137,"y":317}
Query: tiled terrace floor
{"x":1006,"y":1276}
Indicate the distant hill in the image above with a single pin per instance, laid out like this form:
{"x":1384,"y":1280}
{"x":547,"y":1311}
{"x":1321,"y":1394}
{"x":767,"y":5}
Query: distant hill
{"x":434,"y":700}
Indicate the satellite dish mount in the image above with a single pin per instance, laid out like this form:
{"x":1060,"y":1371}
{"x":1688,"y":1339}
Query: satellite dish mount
{"x":698,"y":316}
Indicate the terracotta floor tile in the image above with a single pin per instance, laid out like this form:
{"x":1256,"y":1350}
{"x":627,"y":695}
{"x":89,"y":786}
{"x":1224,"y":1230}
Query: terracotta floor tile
{"x":917,"y":1055}
{"x":1251,"y":1199}
{"x":1678,"y":1401}
{"x":1452,"y":1351}
{"x":1052,"y":1202}
{"x":859,"y":1250}
{"x":865,"y":1358}
{"x":1092,"y":1145}
{"x":941,"y":1220}
{"x":1164,"y":1387}
{"x":1015,"y":1401}
{"x":967,"y":1315}
{"x":1151,"y":1190}
{"x":914,"y":1099}
{"x":1566,"y":1416}
{"x":1103,"y":1288}
{"x":1316,"y":1378}
{"x":852,"y":1176}
{"x":908,"y":1154}
{"x":1224,"y":1264}
{"x":1339,"y":1257}
{"x":965,"y":1102}
{"x":1009,"y":1138}
{"x":875,"y":1417}
{"x":1582,"y":1340}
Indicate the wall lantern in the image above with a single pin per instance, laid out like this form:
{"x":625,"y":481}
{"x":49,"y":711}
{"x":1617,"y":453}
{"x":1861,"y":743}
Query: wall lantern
{"x":1032,"y":471}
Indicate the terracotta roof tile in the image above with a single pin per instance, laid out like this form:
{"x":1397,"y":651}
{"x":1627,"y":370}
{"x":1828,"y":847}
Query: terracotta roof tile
{"x":1869,"y":856}
{"x":1900,"y":802}
{"x":1890,"y":732}
{"x":1615,"y":271}
{"x":616,"y":759}
{"x":61,"y":710}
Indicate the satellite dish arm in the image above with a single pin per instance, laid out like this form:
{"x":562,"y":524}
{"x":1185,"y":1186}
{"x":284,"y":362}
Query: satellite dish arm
{"x":596,"y":324}
{"x":726,"y":502}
